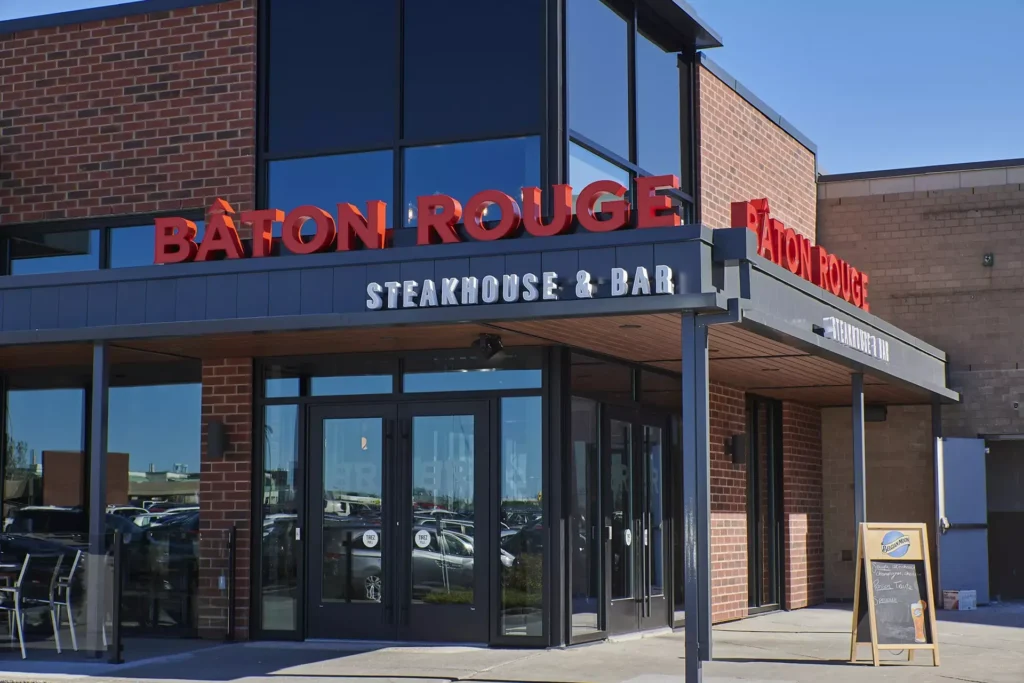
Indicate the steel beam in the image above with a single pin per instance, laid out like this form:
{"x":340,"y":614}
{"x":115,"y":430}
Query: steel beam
{"x":860,"y":505}
{"x":97,"y":577}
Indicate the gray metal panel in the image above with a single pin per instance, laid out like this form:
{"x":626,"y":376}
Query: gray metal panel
{"x":565,"y":263}
{"x":253,"y":295}
{"x":191,"y":299}
{"x":778,"y":310}
{"x":45,"y":308}
{"x":449,"y":267}
{"x":316,"y":289}
{"x":963,"y":552}
{"x":633,"y":256}
{"x":285,"y":292}
{"x":160,"y":301}
{"x":131,"y":303}
{"x":222,"y":296}
{"x":17,"y":310}
{"x":482,"y":266}
{"x":103,"y":304}
{"x":349,"y":289}
{"x":74,"y":307}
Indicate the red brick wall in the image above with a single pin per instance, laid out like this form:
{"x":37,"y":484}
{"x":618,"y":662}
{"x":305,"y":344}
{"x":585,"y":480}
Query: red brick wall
{"x":802,"y":513}
{"x":135,"y":114}
{"x":225,"y":494}
{"x":743,"y":155}
{"x":729,"y":595}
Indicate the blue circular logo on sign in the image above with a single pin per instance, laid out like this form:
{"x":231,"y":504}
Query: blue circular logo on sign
{"x":895,"y":544}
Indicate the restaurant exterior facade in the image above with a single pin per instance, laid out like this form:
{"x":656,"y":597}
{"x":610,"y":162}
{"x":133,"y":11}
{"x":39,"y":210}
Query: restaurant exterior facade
{"x":275,"y":273}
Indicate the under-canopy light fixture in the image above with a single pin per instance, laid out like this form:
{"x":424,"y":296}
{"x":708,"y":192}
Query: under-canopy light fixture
{"x":490,"y":346}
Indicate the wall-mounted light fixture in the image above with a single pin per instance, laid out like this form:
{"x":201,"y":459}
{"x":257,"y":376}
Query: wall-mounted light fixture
{"x":217,"y":441}
{"x":736,"y":447}
{"x":988,"y":260}
{"x":875,"y":413}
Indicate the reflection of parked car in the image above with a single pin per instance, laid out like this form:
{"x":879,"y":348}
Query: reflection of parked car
{"x":125,"y":511}
{"x":69,"y":525}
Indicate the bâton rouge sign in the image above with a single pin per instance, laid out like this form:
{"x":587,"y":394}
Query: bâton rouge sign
{"x":784,"y":247}
{"x":439,"y":215}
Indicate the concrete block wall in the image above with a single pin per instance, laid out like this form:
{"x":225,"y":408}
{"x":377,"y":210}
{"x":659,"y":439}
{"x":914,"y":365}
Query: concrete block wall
{"x":134,"y":114}
{"x":744,"y":155}
{"x":899,"y":483}
{"x":924,"y":250}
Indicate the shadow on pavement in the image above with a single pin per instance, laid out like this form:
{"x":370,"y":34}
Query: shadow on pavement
{"x":1008,"y":614}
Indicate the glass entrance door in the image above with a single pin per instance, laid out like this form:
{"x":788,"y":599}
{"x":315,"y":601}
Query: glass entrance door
{"x":634,"y":523}
{"x":394,"y":533}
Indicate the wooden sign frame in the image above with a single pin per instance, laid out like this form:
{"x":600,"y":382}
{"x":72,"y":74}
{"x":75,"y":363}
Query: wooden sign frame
{"x":869,"y":548}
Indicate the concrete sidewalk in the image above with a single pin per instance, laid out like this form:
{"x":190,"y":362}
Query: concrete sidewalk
{"x":809,"y":646}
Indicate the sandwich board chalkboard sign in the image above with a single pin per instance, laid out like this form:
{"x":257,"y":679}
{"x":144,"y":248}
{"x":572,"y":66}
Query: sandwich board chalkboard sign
{"x":893,"y":604}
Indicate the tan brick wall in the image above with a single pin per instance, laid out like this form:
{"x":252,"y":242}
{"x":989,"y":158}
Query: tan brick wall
{"x":923,"y":251}
{"x":803,"y":527}
{"x":743,"y":155}
{"x":899,"y":483}
{"x":225,"y":497}
{"x":135,"y":114}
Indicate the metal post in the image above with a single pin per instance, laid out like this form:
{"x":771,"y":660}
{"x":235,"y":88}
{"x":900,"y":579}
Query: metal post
{"x":232,"y":560}
{"x":860,"y":505}
{"x":940,"y":495}
{"x":696,"y":496}
{"x":96,"y":567}
{"x":116,"y":649}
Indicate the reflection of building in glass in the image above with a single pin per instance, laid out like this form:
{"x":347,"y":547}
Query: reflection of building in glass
{"x":175,"y":486}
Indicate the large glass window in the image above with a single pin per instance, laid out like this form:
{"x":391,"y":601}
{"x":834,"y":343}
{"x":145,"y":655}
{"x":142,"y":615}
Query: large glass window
{"x":136,"y":246}
{"x":657,"y":110}
{"x":473,"y":69}
{"x":56,"y":252}
{"x":332,"y":72}
{"x":153,"y":482}
{"x":44,"y":454}
{"x":279,"y":580}
{"x":586,"y":167}
{"x":601,"y":379}
{"x":464,"y":169}
{"x":327,"y":181}
{"x":467,"y":371}
{"x":522,"y":483}
{"x":597,"y":55}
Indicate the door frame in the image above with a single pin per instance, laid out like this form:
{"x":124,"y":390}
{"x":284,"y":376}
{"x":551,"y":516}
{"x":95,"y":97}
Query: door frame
{"x":774,"y":485}
{"x":645,"y":613}
{"x":376,"y":620}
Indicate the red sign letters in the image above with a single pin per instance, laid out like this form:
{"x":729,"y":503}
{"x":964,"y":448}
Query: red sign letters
{"x":438,"y":217}
{"x":784,"y":247}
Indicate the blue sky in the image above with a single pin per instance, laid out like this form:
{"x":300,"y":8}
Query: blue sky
{"x":875,"y":83}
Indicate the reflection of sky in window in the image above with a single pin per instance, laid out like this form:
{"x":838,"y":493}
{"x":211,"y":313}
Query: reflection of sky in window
{"x":280,"y":441}
{"x":586,"y":167}
{"x":45,"y":420}
{"x":657,"y":93}
{"x":521,"y":464}
{"x":136,"y":246}
{"x":597,"y":63}
{"x":352,"y":457}
{"x":82,"y":253}
{"x":443,"y":460}
{"x":138,"y":425}
{"x":329,"y":180}
{"x":471,"y":380}
{"x":462,"y":170}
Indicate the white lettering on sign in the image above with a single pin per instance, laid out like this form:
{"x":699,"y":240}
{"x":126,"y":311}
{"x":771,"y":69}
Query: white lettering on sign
{"x":512,"y":287}
{"x":842,"y":332}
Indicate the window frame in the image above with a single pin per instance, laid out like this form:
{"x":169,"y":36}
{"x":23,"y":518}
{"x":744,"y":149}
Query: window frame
{"x":400,"y":142}
{"x":104,"y":224}
{"x":642,"y":26}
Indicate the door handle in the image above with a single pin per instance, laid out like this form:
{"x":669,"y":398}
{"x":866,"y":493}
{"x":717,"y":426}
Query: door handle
{"x":609,"y":527}
{"x":298,"y":533}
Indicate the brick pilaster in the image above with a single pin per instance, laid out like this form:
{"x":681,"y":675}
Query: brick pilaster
{"x":225,"y":497}
{"x":729,"y":595}
{"x":802,"y":512}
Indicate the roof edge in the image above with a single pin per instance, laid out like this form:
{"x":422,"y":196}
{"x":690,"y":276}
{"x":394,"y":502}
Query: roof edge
{"x":922,"y":170}
{"x":769,"y":113}
{"x":82,"y":16}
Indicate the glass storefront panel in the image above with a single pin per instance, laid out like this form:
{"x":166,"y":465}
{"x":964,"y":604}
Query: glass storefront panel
{"x":153,"y":482}
{"x":652,"y":451}
{"x":621,"y":513}
{"x":585,"y":523}
{"x":353,"y":496}
{"x":469,"y":371}
{"x":585,"y":167}
{"x":461,"y":170}
{"x":522,"y":517}
{"x":55,"y":252}
{"x":443,"y":509}
{"x":597,"y":62}
{"x":328,"y":180}
{"x":280,"y":502}
{"x":351,"y":385}
{"x":658,"y":125}
{"x":135,"y":246}
{"x":601,"y":379}
{"x":44,"y":459}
